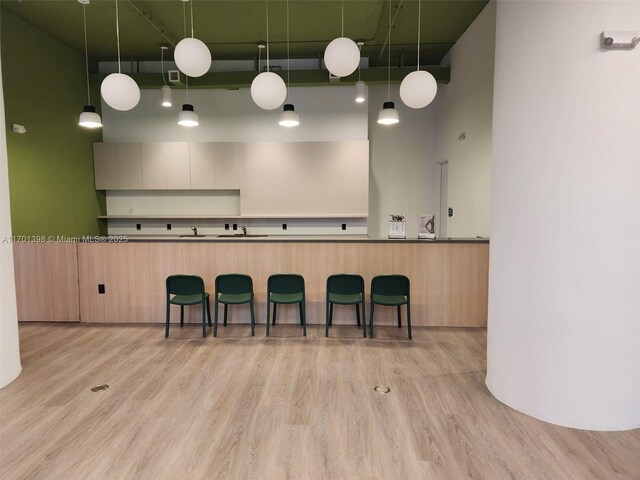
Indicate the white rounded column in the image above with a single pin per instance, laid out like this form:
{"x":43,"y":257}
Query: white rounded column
{"x":9,"y":342}
{"x":564,"y":301}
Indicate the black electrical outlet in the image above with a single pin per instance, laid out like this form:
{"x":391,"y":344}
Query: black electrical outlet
{"x":450,"y":212}
{"x":101,"y":288}
{"x":344,"y":226}
{"x":138,"y":226}
{"x":168,"y":226}
{"x":284,"y":226}
{"x":226,"y":226}
{"x":235,"y":226}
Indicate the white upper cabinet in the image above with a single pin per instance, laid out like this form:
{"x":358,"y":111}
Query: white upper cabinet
{"x":165,"y":166}
{"x":227,"y":169}
{"x":214,"y":166}
{"x":201,"y":160}
{"x":117,"y":166}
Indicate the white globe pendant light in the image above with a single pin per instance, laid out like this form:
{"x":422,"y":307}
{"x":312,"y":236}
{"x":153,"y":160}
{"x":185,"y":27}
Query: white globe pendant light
{"x":192,"y":57}
{"x":342,"y":55}
{"x":118,"y":90}
{"x":419,"y":88}
{"x":268,"y":90}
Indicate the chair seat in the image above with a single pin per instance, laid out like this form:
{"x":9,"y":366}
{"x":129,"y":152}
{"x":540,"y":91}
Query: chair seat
{"x":187,"y":299}
{"x":286,"y":297}
{"x":345,"y":299}
{"x":389,"y":299}
{"x":234,"y":298}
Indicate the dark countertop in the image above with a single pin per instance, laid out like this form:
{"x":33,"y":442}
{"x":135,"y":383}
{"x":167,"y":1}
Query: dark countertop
{"x":288,"y":239}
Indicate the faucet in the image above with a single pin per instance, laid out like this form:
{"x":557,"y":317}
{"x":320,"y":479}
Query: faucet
{"x":244,"y":230}
{"x":195,"y":231}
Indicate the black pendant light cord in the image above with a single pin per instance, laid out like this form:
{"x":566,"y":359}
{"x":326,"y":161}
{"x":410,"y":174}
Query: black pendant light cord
{"x":419,"y":12}
{"x":389,"y":56}
{"x":86,"y":52}
{"x":118,"y":36}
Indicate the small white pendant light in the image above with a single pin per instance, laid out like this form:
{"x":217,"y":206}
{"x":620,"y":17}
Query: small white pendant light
{"x":268,"y":90}
{"x":88,"y":118}
{"x":191,"y":55}
{"x":165,"y":91}
{"x":288,"y":117}
{"x":118,"y":90}
{"x":419,"y":88}
{"x":361,"y":87}
{"x":388,"y":115}
{"x":188,"y":117}
{"x":342,"y":55}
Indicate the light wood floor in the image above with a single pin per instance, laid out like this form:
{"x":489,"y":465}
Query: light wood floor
{"x":238,"y":407}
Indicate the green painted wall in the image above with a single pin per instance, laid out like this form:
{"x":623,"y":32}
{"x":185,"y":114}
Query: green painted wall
{"x":51,"y":166}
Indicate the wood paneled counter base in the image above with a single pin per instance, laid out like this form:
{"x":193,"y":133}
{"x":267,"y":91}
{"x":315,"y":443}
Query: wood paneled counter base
{"x":448,"y":280}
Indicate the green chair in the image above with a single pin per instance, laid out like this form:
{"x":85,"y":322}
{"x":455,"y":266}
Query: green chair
{"x":391,"y":291}
{"x":345,"y":289}
{"x":286,"y":288}
{"x":233,"y":289}
{"x":186,"y":290}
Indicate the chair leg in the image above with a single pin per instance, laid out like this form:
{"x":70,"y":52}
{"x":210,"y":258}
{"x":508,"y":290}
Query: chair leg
{"x":331,"y":314}
{"x":204,"y":318}
{"x":304,"y":318}
{"x":358,"y":313}
{"x":300,"y":311}
{"x":253,"y":318}
{"x":166,"y":325}
{"x":215,"y":317}
{"x":268,"y":314}
{"x":364,"y":321}
{"x":225,"y":314}
{"x":275,"y":310}
{"x":409,"y":320}
{"x":181,"y":316}
{"x":371,"y":321}
{"x":208,"y":311}
{"x":399,"y":317}
{"x":326,"y":320}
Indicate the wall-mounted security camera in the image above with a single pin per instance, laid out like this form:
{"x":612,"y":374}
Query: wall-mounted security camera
{"x":619,"y":40}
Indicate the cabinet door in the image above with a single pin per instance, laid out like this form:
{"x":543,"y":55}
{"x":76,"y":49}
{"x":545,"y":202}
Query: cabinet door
{"x":104,"y":166}
{"x":129,"y":166}
{"x":227,"y":169}
{"x":201,"y":162}
{"x":165,"y":165}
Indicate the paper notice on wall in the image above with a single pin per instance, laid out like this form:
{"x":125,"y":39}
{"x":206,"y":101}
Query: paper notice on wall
{"x":397,"y":226}
{"x":427,"y":226}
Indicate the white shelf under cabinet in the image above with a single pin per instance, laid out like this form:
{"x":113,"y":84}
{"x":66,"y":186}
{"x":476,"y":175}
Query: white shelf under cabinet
{"x":213,"y":217}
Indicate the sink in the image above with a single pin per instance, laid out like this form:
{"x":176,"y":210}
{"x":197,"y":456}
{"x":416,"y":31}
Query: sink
{"x":192,"y":236}
{"x":241,"y":235}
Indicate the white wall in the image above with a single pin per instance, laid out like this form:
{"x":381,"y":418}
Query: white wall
{"x":10,"y":366}
{"x":564,"y":301}
{"x":466,"y":107}
{"x":326,"y":114}
{"x":405,"y":175}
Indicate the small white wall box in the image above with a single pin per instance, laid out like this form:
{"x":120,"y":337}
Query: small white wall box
{"x":174,"y":77}
{"x":619,"y":39}
{"x":17,"y":128}
{"x":427,"y":226}
{"x":397,"y":226}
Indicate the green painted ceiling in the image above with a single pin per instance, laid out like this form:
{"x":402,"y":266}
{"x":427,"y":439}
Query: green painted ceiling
{"x":233,"y":28}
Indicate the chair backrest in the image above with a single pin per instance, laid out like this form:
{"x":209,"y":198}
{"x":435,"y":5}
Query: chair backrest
{"x":234,"y":284}
{"x":185,"y":285}
{"x":345,"y":284}
{"x":285,"y":283}
{"x":390,"y":285}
